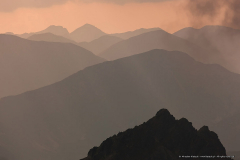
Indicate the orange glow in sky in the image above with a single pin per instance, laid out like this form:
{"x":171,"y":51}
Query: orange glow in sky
{"x":110,"y":18}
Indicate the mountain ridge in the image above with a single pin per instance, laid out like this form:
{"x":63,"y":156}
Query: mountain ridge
{"x":50,"y":37}
{"x":161,"y":137}
{"x":31,"y":64}
{"x":98,"y":45}
{"x":221,"y":39}
{"x":56,"y":30}
{"x":129,"y":34}
{"x":64,"y":117}
{"x":86,"y":33}
{"x":158,"y":40}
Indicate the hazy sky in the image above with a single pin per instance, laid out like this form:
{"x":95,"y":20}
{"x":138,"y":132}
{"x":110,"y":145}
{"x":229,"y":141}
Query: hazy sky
{"x":111,"y":16}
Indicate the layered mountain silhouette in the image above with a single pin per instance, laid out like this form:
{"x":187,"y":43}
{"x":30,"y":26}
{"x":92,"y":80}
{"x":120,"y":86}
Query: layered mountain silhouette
{"x":25,"y":35}
{"x":158,"y":40}
{"x":86,"y":33}
{"x":99,"y":45}
{"x":56,"y":30}
{"x":49,"y":37}
{"x":222,"y":39}
{"x":161,"y":137}
{"x":10,"y":33}
{"x":129,"y":34}
{"x":26,"y":65}
{"x":66,"y":119}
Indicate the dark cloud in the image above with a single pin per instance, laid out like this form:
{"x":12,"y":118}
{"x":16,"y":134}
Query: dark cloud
{"x":203,"y":11}
{"x":11,"y":5}
{"x":232,"y":16}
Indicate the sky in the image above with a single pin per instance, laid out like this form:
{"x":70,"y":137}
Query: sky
{"x":115,"y":16}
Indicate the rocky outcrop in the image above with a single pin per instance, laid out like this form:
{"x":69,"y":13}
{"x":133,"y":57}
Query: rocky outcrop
{"x":162,"y":137}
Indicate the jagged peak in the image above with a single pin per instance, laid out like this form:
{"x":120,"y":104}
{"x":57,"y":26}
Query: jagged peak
{"x":149,"y":141}
{"x":204,"y":129}
{"x":163,"y":112}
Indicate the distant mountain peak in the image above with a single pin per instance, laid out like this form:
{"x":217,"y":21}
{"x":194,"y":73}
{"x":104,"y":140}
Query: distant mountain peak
{"x":86,"y":33}
{"x":89,"y":25}
{"x":54,"y":27}
{"x":57,"y":30}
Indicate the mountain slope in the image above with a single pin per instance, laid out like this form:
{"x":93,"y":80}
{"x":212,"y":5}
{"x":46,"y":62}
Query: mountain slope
{"x":49,"y":37}
{"x":86,"y":33}
{"x":64,"y":120}
{"x":56,"y":30}
{"x":25,"y":35}
{"x":26,"y":65}
{"x":129,"y":34}
{"x":99,"y":45}
{"x":161,"y":137}
{"x":222,"y":39}
{"x":157,"y":40}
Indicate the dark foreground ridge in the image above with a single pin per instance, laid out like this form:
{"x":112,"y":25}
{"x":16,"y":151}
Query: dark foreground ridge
{"x":160,"y":138}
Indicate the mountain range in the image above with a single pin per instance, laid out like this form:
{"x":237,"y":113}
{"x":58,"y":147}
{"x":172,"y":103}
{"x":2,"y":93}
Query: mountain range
{"x":161,"y":137}
{"x":64,"y":120}
{"x":56,"y":30}
{"x":101,"y":44}
{"x":223,"y":40}
{"x":96,"y":46}
{"x":129,"y":34}
{"x":158,"y":40}
{"x":30,"y":64}
{"x":85,"y":33}
{"x":49,"y":37}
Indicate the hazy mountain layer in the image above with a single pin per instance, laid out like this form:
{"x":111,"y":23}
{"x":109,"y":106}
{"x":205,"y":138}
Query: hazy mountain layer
{"x":217,"y":38}
{"x":86,"y":33}
{"x":137,"y":32}
{"x":99,"y":45}
{"x":158,"y":40}
{"x":56,"y":30}
{"x":26,"y":65}
{"x":49,"y":37}
{"x":161,"y":137}
{"x":64,"y":120}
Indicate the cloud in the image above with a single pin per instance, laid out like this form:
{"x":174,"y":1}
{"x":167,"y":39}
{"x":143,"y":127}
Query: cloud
{"x":11,"y":5}
{"x":202,"y":11}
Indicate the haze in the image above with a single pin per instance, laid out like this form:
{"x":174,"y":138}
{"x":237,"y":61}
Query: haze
{"x":73,"y":73}
{"x":109,"y":17}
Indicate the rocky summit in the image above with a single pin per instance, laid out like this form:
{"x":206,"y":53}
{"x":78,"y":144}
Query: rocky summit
{"x":161,"y":138}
